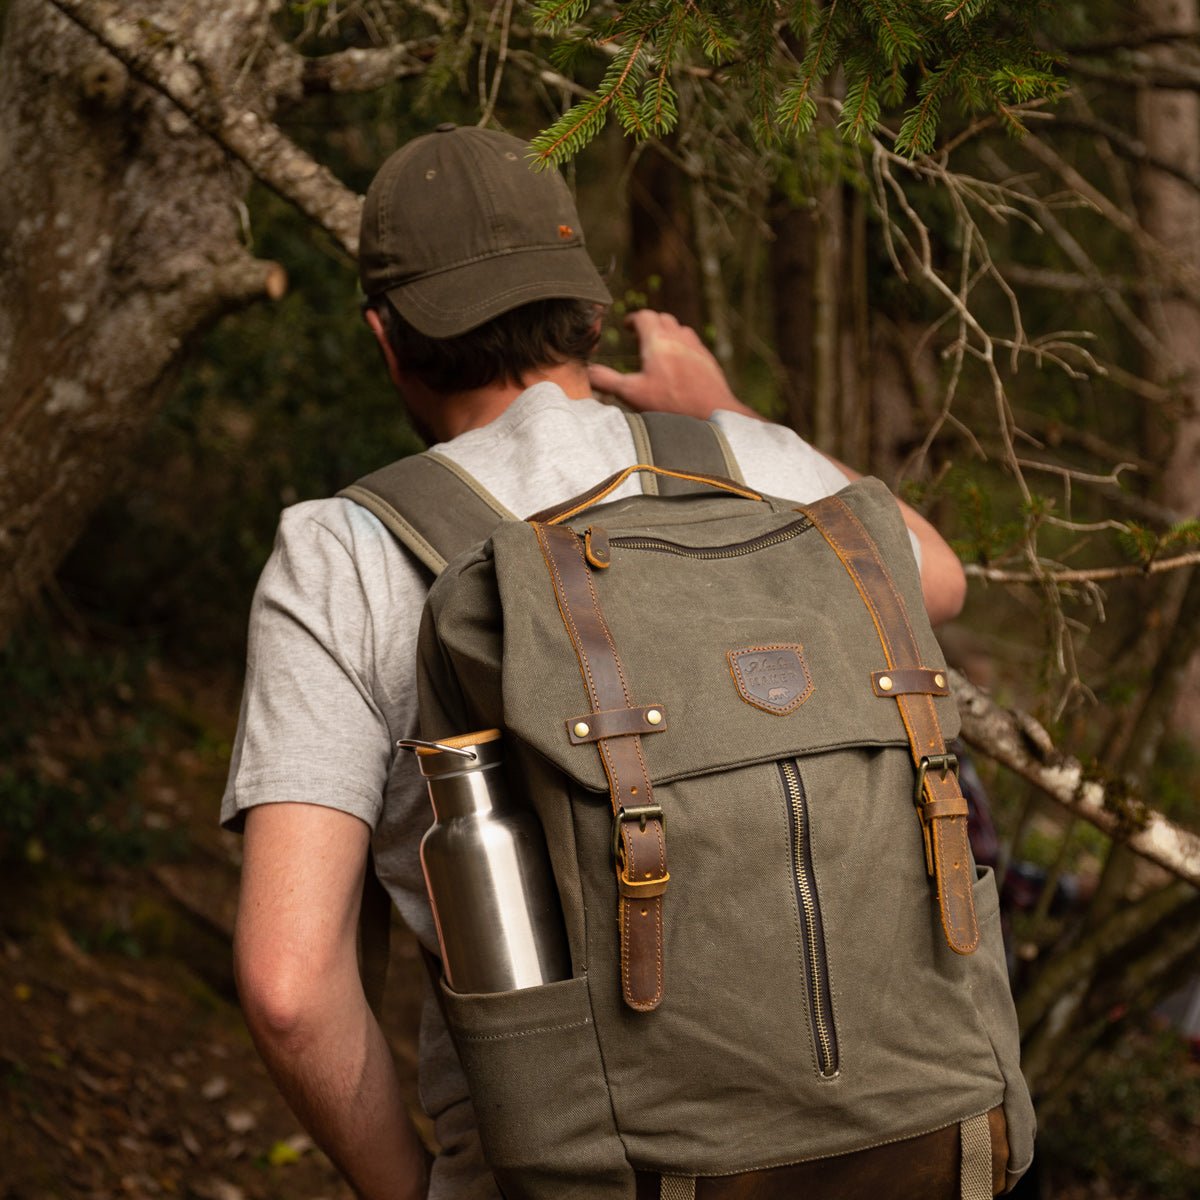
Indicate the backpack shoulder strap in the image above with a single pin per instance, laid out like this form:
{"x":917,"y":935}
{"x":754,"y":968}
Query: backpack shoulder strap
{"x":430,"y":505}
{"x":681,"y":443}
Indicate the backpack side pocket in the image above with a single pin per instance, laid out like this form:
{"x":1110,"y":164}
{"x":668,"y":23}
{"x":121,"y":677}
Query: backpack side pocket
{"x":540,"y":1096}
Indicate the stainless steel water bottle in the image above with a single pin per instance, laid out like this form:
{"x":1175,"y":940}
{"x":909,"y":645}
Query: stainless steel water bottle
{"x":488,"y":872}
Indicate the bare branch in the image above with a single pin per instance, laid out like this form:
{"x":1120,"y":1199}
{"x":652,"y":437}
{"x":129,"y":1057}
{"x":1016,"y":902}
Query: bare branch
{"x":171,"y":69}
{"x":1086,"y":574}
{"x":1173,"y":77}
{"x":1072,"y":282}
{"x":1133,"y":40}
{"x":1165,"y":258}
{"x":1017,"y":741}
{"x":1128,"y":147}
{"x":364,"y":70}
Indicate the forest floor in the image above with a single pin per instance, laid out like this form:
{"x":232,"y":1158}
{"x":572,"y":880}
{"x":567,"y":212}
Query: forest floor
{"x":125,"y":1068}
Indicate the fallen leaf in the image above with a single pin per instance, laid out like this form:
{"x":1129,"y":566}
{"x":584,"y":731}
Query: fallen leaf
{"x":190,"y":1144}
{"x":282,"y":1155}
{"x":215,"y":1088}
{"x":22,"y":992}
{"x":240,"y":1120}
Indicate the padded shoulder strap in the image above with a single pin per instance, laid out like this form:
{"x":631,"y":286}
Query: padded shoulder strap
{"x":684,"y":444}
{"x":431,"y":506}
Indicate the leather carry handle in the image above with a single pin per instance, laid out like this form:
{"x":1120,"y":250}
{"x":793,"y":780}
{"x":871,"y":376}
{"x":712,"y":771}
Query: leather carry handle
{"x":572,"y":508}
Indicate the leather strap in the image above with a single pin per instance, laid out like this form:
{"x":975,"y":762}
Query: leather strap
{"x":929,"y":1166}
{"x":944,"y":827}
{"x":904,"y":681}
{"x":616,"y":722}
{"x":639,"y":837}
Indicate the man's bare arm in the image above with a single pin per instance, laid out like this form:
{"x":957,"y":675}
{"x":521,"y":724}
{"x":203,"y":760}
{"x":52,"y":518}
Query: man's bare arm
{"x":679,"y":374}
{"x":295,"y":954}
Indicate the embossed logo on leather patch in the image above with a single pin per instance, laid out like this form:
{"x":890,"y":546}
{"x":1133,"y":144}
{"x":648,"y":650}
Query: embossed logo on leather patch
{"x":773,"y":678}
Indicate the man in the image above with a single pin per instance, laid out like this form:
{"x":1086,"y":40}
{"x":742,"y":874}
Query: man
{"x":486,"y":307}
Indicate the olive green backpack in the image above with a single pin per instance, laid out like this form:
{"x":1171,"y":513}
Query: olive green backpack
{"x":731,"y":715}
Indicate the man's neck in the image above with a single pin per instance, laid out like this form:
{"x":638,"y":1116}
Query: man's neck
{"x":448,"y":416}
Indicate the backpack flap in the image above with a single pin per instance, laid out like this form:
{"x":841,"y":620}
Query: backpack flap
{"x":735,"y":623}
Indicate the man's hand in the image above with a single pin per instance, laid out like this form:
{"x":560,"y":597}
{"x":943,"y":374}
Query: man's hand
{"x":679,"y":373}
{"x":297,"y":971}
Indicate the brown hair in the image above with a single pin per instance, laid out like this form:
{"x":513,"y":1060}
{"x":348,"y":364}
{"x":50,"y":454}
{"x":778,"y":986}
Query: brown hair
{"x":535,"y":335}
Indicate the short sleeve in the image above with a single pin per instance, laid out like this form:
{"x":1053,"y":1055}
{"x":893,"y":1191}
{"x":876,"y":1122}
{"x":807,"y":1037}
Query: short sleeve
{"x":310,"y":729}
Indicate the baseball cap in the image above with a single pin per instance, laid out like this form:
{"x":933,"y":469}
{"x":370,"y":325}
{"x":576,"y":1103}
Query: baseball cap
{"x":458,"y":228}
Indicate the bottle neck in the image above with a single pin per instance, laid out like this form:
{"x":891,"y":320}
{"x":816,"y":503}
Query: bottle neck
{"x":476,"y":792}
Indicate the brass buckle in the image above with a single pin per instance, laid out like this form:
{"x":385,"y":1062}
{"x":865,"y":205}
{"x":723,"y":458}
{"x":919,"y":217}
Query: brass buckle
{"x":642,"y":814}
{"x":942,"y":762}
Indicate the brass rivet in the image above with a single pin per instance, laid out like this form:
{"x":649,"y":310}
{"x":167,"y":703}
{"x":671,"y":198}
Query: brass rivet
{"x":582,"y":729}
{"x":940,"y":680}
{"x":885,"y":683}
{"x":654,"y":717}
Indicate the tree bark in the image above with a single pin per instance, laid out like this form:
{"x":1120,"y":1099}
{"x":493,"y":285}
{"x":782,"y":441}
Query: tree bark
{"x":663,"y":264}
{"x":1017,"y":741}
{"x":1169,"y":209}
{"x":120,"y":238}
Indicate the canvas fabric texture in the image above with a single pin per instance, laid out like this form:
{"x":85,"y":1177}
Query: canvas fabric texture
{"x":734,"y":1071}
{"x":330,"y":682}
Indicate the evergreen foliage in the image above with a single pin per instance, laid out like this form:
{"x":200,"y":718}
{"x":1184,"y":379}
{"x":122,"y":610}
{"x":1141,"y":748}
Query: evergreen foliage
{"x":777,"y":59}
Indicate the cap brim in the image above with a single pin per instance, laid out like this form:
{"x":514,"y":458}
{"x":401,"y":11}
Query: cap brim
{"x":462,"y":298}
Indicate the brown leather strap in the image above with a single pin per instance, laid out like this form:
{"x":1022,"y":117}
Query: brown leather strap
{"x":944,"y":827}
{"x":927,"y":1167}
{"x":639,"y":838}
{"x":616,"y":722}
{"x":903,"y":681}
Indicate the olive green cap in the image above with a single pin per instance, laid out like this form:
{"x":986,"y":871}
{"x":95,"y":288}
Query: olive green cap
{"x":458,"y":228}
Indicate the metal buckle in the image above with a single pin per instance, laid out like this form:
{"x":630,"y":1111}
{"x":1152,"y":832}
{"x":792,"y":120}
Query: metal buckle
{"x":945,"y":762}
{"x":642,"y":814}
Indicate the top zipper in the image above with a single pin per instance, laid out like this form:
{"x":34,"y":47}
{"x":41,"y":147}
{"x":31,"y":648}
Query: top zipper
{"x":731,"y":550}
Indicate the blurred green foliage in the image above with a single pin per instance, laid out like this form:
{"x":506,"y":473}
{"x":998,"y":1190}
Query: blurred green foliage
{"x":1150,"y":1075}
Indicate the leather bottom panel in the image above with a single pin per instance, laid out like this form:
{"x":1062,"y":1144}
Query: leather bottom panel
{"x":918,"y":1168}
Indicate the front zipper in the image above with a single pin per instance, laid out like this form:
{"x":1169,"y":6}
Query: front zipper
{"x":732,"y":550}
{"x":808,"y":905}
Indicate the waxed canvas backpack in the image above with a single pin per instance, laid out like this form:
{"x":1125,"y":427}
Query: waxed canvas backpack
{"x":731,"y":716}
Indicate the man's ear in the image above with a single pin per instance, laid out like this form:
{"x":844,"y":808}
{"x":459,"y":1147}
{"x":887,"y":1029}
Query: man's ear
{"x":375,"y":324}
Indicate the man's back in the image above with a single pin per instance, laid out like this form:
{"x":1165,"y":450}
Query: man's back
{"x":331,"y":678}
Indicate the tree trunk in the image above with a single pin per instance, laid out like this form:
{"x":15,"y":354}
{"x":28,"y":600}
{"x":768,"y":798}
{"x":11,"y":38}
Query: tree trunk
{"x":1169,"y":127}
{"x":663,"y":264}
{"x":120,"y":237}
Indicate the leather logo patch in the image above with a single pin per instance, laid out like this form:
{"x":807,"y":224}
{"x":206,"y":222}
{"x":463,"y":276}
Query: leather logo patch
{"x":773,"y":678}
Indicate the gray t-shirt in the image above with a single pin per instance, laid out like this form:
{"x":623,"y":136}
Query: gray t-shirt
{"x":330,"y":677}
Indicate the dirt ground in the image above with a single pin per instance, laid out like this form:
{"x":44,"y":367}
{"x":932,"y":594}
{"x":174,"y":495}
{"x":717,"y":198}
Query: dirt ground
{"x":125,"y":1067}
